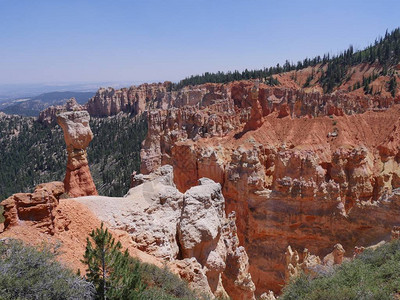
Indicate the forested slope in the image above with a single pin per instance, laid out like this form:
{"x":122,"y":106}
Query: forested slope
{"x":32,"y":153}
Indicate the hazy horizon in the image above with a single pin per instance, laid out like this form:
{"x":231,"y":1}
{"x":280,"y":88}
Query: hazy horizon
{"x":150,"y":41}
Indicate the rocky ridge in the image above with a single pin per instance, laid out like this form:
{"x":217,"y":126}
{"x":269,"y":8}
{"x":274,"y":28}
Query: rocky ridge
{"x":37,"y":207}
{"x":299,"y":167}
{"x":190,"y":231}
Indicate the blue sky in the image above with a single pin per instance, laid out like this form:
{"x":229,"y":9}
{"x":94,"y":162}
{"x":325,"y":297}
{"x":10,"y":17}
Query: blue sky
{"x":120,"y":40}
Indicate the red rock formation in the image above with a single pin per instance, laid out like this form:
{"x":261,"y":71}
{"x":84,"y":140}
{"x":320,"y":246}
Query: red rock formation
{"x":315,"y":169}
{"x":64,"y":224}
{"x":77,"y":134}
{"x":299,"y":167}
{"x":37,"y":208}
{"x":214,"y":110}
{"x":137,"y":99}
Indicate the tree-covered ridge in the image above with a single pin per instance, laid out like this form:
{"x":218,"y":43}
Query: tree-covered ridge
{"x":32,"y":153}
{"x":114,"y":152}
{"x":385,"y":51}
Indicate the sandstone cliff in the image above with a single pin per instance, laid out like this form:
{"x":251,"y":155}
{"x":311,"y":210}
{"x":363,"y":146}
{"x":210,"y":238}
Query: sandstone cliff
{"x":299,"y":168}
{"x":37,"y":207}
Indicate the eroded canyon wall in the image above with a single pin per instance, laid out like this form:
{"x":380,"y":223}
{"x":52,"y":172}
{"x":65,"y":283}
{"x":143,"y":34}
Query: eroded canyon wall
{"x":299,"y":169}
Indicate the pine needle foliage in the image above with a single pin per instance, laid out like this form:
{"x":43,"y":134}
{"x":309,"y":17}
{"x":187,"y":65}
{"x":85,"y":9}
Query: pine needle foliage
{"x":114,"y":274}
{"x":118,"y":276}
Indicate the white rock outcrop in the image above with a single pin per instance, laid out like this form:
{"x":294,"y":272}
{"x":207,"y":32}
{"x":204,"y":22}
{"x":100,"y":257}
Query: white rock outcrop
{"x":190,"y":231}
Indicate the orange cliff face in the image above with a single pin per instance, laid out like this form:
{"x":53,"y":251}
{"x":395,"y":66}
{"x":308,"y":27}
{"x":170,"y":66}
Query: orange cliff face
{"x":300,"y":169}
{"x":77,"y":134}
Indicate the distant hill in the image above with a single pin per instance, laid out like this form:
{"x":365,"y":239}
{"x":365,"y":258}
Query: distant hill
{"x":32,"y":106}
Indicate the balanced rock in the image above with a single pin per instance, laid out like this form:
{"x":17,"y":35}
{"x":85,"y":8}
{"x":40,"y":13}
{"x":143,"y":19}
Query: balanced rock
{"x":77,"y":134}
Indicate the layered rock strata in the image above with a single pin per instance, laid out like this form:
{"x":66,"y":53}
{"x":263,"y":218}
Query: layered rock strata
{"x":298,"y":168}
{"x":77,"y":135}
{"x":215,"y":110}
{"x":284,"y":99}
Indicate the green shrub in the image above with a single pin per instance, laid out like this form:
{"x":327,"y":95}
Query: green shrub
{"x":373,"y":275}
{"x":28,"y":273}
{"x":163,"y":281}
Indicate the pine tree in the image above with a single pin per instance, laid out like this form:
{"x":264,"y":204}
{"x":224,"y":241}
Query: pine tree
{"x":114,"y":274}
{"x":392,"y":86}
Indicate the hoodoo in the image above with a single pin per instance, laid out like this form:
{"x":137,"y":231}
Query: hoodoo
{"x":77,"y":134}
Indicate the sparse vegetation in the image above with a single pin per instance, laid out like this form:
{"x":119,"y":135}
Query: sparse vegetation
{"x":28,"y":273}
{"x":309,"y":79}
{"x":272,"y":81}
{"x":113,"y":273}
{"x":373,"y":275}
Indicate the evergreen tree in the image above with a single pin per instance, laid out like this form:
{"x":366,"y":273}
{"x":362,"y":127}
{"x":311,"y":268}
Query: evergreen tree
{"x":114,"y":274}
{"x":392,"y":86}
